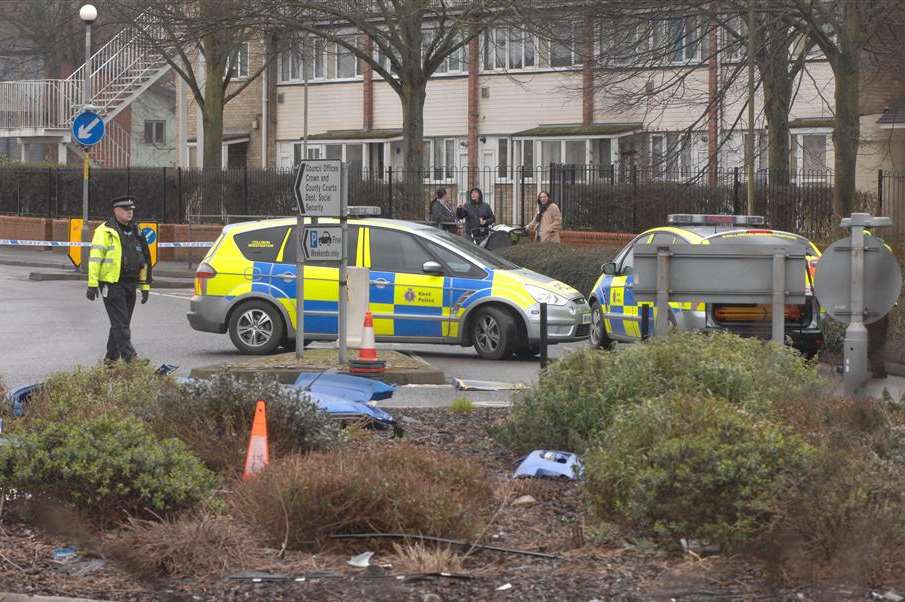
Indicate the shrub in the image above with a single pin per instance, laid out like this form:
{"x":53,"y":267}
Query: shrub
{"x":576,"y":396}
{"x":847,"y":517}
{"x":700,"y":468}
{"x":197,"y":545}
{"x":305,"y":499}
{"x":88,"y":391}
{"x":105,"y":466}
{"x":579,"y":268}
{"x":462,"y":405}
{"x":214,"y":418}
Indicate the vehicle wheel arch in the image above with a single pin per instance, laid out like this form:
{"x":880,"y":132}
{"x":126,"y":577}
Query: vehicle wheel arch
{"x":238,"y":302}
{"x":466,"y":327}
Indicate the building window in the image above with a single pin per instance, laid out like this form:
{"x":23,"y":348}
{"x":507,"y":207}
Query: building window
{"x":237,"y":63}
{"x":440,"y":158}
{"x":551,"y":152}
{"x":453,"y":63}
{"x":565,"y":45}
{"x":508,"y":48}
{"x":155,"y":132}
{"x":671,"y":155}
{"x":346,"y":63}
{"x":677,"y":40}
{"x":602,"y":155}
{"x":813,"y":150}
{"x":503,"y":158}
{"x":576,"y":151}
{"x":528,"y":153}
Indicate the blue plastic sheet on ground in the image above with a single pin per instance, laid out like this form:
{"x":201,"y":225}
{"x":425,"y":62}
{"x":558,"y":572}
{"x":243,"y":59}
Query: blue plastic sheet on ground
{"x":345,"y":386}
{"x":549,"y":463}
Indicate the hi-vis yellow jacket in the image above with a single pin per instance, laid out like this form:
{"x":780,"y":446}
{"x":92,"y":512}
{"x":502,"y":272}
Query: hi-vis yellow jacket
{"x":106,"y":258}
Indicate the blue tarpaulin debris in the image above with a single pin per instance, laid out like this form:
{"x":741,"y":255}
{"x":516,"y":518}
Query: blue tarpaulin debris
{"x":346,"y":386}
{"x":549,"y":463}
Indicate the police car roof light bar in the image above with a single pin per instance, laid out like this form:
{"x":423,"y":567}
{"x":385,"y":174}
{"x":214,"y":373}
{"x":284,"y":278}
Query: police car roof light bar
{"x":698,"y":219}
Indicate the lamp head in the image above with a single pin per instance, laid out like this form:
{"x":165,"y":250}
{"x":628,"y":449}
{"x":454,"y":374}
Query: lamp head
{"x":88,"y":13}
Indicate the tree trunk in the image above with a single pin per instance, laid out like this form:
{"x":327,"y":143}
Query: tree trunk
{"x":777,"y":100}
{"x":846,"y":134}
{"x":846,"y":69}
{"x":213,"y":116}
{"x":412,"y":97}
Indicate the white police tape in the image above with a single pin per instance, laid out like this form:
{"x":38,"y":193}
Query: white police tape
{"x":13,"y":242}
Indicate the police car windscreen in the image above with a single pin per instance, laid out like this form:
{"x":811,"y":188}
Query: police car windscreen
{"x":486,"y":257}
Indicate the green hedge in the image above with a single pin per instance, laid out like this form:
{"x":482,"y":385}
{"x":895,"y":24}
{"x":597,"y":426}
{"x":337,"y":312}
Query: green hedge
{"x":579,"y":268}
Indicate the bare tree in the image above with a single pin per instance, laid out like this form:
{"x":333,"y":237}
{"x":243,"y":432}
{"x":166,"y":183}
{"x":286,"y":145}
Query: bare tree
{"x":410,"y":39}
{"x":844,"y":30}
{"x":202,"y":40}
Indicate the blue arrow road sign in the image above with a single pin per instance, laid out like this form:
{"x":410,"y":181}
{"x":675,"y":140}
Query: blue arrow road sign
{"x":88,"y":128}
{"x":149,"y":234}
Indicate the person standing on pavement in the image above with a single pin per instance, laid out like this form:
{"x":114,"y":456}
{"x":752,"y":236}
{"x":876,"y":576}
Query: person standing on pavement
{"x":119,"y":264}
{"x":548,"y":221}
{"x":441,"y":214}
{"x":477,"y":214}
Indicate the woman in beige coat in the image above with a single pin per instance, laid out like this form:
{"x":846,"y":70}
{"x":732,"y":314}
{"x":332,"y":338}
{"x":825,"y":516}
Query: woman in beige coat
{"x":548,"y":221}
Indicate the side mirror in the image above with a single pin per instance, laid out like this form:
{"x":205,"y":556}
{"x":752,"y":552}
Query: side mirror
{"x":609,"y":268}
{"x":432,"y":267}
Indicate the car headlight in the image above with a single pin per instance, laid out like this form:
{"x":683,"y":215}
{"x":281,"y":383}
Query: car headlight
{"x":542,"y":295}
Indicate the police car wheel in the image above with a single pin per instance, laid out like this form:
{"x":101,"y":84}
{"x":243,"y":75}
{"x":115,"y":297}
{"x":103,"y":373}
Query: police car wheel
{"x":598,"y":337}
{"x":493,"y":333}
{"x":256,"y":328}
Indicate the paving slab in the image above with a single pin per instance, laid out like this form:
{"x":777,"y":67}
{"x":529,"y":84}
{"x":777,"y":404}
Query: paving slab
{"x":401,"y":368}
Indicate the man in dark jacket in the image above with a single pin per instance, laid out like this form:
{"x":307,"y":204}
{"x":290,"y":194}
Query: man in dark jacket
{"x":477,"y":214}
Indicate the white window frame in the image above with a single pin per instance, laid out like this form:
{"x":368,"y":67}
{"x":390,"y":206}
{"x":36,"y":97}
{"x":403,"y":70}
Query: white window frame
{"x":356,"y":70}
{"x":445,"y":68}
{"x":577,"y":47}
{"x":678,"y":157}
{"x":662,"y":25}
{"x":490,"y":47}
{"x":795,"y":136}
{"x":241,"y":57}
{"x":448,"y":169}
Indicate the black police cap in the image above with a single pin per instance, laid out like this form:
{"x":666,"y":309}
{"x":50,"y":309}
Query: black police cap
{"x":124,"y":202}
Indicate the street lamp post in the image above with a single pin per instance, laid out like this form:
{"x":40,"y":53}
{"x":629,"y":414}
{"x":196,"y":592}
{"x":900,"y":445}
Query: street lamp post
{"x":88,"y":15}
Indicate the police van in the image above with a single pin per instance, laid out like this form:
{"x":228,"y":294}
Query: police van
{"x":426,"y":286}
{"x":617,"y":316}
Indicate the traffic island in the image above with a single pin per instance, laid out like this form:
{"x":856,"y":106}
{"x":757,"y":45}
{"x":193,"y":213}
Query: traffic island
{"x":401,"y":368}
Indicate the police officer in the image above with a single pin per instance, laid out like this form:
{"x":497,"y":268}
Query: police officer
{"x":120,"y":262}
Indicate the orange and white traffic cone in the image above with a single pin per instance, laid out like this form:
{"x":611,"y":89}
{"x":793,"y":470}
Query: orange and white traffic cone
{"x":258,"y":455}
{"x":367,"y":362}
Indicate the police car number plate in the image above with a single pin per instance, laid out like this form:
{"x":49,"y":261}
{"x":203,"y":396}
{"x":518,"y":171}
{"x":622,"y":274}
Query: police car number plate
{"x":586,"y":318}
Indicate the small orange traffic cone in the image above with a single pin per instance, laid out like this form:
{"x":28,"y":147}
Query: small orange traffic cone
{"x":258,"y":455}
{"x":367,"y":352}
{"x":367,"y":362}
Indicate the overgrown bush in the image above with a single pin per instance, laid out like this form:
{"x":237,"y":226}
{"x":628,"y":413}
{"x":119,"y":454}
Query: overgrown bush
{"x":576,"y":396}
{"x":579,"y":268}
{"x":305,"y":499}
{"x":105,"y":466}
{"x":701,"y":468}
{"x":214,"y":418}
{"x":196,"y":545}
{"x":846,"y":519}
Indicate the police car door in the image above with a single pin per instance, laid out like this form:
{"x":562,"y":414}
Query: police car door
{"x":463,"y":278}
{"x":406,"y":301}
{"x":623,"y":312}
{"x":321,"y":286}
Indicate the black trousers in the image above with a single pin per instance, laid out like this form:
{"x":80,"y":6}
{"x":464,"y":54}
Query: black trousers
{"x":119,"y":303}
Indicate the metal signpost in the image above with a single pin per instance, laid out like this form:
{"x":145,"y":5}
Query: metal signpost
{"x":857,"y":281}
{"x":731,"y":273}
{"x":87,"y":129}
{"x":319,"y":190}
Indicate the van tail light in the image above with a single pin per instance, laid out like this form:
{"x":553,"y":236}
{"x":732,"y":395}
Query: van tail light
{"x":755,"y":313}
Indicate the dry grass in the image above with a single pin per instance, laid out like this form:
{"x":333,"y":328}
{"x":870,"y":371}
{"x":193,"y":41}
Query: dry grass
{"x":419,"y":557}
{"x":302,"y":500}
{"x":198,"y":546}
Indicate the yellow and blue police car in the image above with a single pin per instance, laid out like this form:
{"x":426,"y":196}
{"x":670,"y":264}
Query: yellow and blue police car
{"x":616,"y":316}
{"x":426,"y":286}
